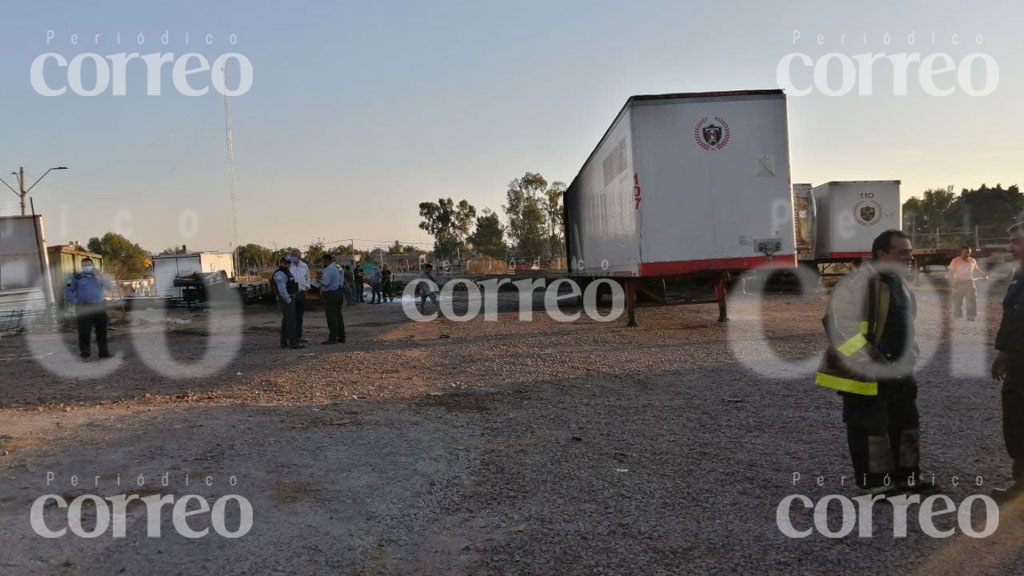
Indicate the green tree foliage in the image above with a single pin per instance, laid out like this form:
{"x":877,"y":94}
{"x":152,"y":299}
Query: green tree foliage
{"x":526,"y":200}
{"x":315,"y":253}
{"x":933,"y":210}
{"x":989,"y":210}
{"x":553,"y":211}
{"x":489,"y":236}
{"x":255,"y":256}
{"x":399,"y":248}
{"x":448,"y":223}
{"x":121,"y":257}
{"x":992,"y":210}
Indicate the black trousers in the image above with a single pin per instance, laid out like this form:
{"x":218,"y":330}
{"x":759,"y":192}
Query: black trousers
{"x":1013,"y":415}
{"x":289,"y":335}
{"x":89,"y":318}
{"x":883,"y":433}
{"x":335,"y":320}
{"x":300,"y":309}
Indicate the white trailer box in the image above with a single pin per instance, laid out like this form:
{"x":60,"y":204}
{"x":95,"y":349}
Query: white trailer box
{"x":25,"y":284}
{"x":167,"y":267}
{"x":685,"y":183}
{"x":849,"y":215}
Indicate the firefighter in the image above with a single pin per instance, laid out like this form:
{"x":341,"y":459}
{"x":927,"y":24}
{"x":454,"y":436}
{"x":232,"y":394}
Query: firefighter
{"x":287,"y":288}
{"x":870,"y":362}
{"x":1008,"y":366}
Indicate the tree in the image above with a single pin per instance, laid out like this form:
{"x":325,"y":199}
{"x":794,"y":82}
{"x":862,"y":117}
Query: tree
{"x":992,"y":210}
{"x":315,"y":253}
{"x":399,"y":248}
{"x":489,"y":236}
{"x":933,"y":211}
{"x":123,"y":258}
{"x":527,"y":219}
{"x":255,"y":256}
{"x":553,"y":211}
{"x":448,"y":223}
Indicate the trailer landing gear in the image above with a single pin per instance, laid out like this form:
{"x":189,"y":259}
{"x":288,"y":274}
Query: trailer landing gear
{"x":631,"y":302}
{"x":723,"y":314}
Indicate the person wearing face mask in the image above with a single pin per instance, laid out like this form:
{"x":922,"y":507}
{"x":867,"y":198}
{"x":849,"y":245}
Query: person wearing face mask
{"x":85,"y":293}
{"x":300,"y":272}
{"x":286,"y":289}
{"x":870,"y":362}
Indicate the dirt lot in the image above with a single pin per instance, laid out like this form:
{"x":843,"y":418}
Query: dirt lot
{"x":484,"y":447}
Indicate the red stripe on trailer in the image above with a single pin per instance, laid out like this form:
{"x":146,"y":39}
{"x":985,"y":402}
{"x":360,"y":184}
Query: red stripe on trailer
{"x":682,"y":267}
{"x":849,"y":254}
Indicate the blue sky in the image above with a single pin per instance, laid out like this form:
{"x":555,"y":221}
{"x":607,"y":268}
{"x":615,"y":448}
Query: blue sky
{"x":361,"y":110}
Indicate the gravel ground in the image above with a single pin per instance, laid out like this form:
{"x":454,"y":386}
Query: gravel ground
{"x":491,"y":447}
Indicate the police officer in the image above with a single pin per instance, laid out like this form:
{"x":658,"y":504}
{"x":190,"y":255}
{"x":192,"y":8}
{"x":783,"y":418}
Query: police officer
{"x":331,"y":279}
{"x":1008,"y":366}
{"x":85,"y":292}
{"x":870,"y":361}
{"x":287,"y":288}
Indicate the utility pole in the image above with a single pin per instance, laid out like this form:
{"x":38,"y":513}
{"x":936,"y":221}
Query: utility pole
{"x":22,"y":192}
{"x":230,"y":142}
{"x":21,"y":187}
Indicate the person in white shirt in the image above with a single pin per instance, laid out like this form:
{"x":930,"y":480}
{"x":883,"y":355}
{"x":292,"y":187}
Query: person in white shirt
{"x":962,"y":272}
{"x":300,"y":271}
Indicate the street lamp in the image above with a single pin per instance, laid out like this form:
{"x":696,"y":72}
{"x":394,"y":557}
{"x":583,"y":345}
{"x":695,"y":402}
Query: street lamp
{"x":22,"y":192}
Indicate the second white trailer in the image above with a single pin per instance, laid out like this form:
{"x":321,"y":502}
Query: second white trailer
{"x":849,"y":215}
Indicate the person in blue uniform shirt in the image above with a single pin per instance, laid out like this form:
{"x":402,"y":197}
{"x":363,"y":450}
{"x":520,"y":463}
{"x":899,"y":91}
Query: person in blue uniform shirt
{"x":86,"y":293}
{"x":331,"y":281}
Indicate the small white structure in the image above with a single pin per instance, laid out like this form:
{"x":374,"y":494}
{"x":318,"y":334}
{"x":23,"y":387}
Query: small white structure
{"x":25,"y":285}
{"x":167,"y":267}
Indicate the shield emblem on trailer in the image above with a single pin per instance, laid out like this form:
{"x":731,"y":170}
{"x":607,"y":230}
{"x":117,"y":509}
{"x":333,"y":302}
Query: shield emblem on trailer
{"x":712,"y":134}
{"x":867,"y":213}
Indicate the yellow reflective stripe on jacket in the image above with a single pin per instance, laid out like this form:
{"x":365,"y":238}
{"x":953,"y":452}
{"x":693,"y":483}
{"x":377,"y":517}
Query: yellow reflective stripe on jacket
{"x":863,"y":327}
{"x":847,"y":385}
{"x":852,"y":345}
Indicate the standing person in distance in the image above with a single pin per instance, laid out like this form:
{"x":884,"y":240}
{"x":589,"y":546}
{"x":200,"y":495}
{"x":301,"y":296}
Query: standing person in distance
{"x":963,"y":270}
{"x":359,"y":287}
{"x":387,"y":284}
{"x":85,"y":292}
{"x":286,"y":289}
{"x":376,"y":279}
{"x":331,"y":281}
{"x":425,"y":290}
{"x":300,"y":272}
{"x":349,"y":286}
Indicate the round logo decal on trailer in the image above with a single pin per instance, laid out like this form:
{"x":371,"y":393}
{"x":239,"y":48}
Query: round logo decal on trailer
{"x":711,"y":134}
{"x":867,"y":213}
